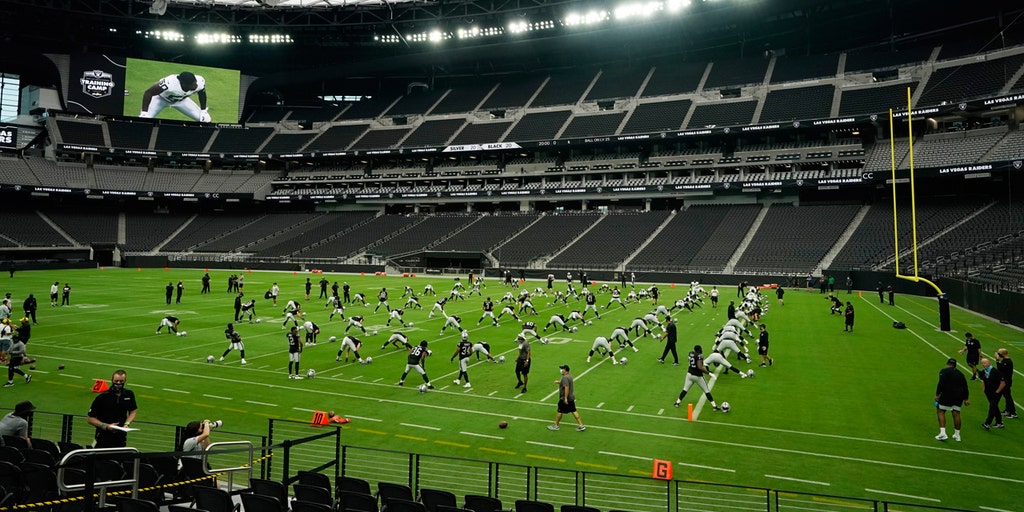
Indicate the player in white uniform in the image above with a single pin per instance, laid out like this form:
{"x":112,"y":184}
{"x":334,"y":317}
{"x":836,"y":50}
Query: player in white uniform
{"x":397,"y":339}
{"x":429,"y":290}
{"x":695,"y":375}
{"x":235,"y":343}
{"x":454,"y":321}
{"x":339,"y":309}
{"x":350,"y":343}
{"x":574,"y":315}
{"x":616,"y":297}
{"x":723,"y":343}
{"x":558,"y":320}
{"x":293,"y":315}
{"x":718,"y":358}
{"x":396,"y":314}
{"x":382,"y":300}
{"x":175,"y":91}
{"x":357,"y":322}
{"x":638,"y":325}
{"x":622,"y":335}
{"x":508,"y":297}
{"x":312,"y":330}
{"x":738,"y":326}
{"x":482,"y":347}
{"x":603,"y":347}
{"x":507,"y":310}
{"x":413,"y":302}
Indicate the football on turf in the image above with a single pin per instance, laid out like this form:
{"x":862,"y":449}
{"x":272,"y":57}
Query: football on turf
{"x":623,"y":360}
{"x":209,"y":359}
{"x":33,"y":367}
{"x":544,"y":341}
{"x":590,"y":322}
{"x":332,"y":339}
{"x":182,"y":333}
{"x":311,"y":374}
{"x":750,"y":373}
{"x":726,"y":407}
{"x":61,"y":367}
{"x":374,"y":333}
{"x":409,"y":324}
{"x":503,"y":424}
{"x":259,"y":321}
{"x":369,"y":360}
{"x":501,"y":359}
{"x":574,"y":329}
{"x":423,"y":388}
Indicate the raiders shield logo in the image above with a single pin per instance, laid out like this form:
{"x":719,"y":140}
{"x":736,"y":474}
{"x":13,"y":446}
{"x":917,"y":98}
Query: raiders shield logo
{"x":796,"y":124}
{"x":726,"y":130}
{"x":661,"y":188}
{"x":1016,"y":164}
{"x":799,"y":183}
{"x":962,"y":106}
{"x":599,"y":190}
{"x":874,"y":117}
{"x":726,"y":185}
{"x":97,"y":83}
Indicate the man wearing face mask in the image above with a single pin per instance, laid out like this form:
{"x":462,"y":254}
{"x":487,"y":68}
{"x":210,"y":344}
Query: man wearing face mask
{"x":1005,"y":366}
{"x":111,"y":411}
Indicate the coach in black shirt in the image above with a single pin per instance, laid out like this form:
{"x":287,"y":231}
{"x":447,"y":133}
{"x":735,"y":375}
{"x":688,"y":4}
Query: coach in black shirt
{"x":1005,"y":366}
{"x":670,"y":342}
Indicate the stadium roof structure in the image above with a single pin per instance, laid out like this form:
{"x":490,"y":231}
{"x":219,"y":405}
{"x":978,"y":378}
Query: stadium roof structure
{"x":285,"y":4}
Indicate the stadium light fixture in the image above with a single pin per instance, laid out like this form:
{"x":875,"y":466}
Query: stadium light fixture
{"x":637,"y":10}
{"x":675,"y":6}
{"x":588,"y":18}
{"x":204,"y":38}
{"x":162,"y":35}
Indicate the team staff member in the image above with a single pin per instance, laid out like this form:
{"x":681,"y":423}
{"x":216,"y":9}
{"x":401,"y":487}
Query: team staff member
{"x":992,"y":383}
{"x":951,"y":394}
{"x":566,"y":400}
{"x":30,"y":305}
{"x":670,"y":341}
{"x":115,"y":407}
{"x":762,"y":347}
{"x":523,"y":364}
{"x":238,"y":307}
{"x":1005,"y":366}
{"x":169,"y":291}
{"x":175,"y":91}
{"x":65,"y":298}
{"x":973,"y":348}
{"x":181,"y":289}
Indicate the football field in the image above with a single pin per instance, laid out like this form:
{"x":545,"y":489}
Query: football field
{"x":847,"y":414}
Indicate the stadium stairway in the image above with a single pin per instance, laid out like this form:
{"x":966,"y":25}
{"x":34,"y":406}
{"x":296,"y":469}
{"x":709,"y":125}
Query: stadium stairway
{"x":182,"y":227}
{"x":542,"y":262}
{"x":731,"y":265}
{"x":58,"y":229}
{"x":826,"y":261}
{"x":622,"y":266}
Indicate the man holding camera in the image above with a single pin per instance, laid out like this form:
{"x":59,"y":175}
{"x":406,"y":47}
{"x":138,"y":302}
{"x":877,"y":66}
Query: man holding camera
{"x":112,"y":411}
{"x":197,"y":436}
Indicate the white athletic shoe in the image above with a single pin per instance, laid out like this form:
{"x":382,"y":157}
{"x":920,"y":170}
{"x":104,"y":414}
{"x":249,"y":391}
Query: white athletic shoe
{"x":221,"y":358}
{"x":244,"y":361}
{"x":467,"y":385}
{"x":956,"y":437}
{"x":941,"y":437}
{"x":456,"y":381}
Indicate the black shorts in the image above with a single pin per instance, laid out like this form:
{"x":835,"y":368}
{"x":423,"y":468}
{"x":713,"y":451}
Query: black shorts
{"x":714,"y":300}
{"x":522,"y":366}
{"x":762,"y":351}
{"x":566,"y":408}
{"x":973,"y":359}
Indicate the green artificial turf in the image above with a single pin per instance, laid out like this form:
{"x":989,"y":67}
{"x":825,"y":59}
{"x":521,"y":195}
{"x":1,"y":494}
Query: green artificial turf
{"x":838,"y":413}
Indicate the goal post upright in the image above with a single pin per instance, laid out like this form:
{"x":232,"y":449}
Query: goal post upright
{"x":916,"y":278}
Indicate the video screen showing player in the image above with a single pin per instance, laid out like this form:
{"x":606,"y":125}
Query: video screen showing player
{"x":185,"y":92}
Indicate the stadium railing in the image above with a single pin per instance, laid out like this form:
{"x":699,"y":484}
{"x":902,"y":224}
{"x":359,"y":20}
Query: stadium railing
{"x":291,"y":446}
